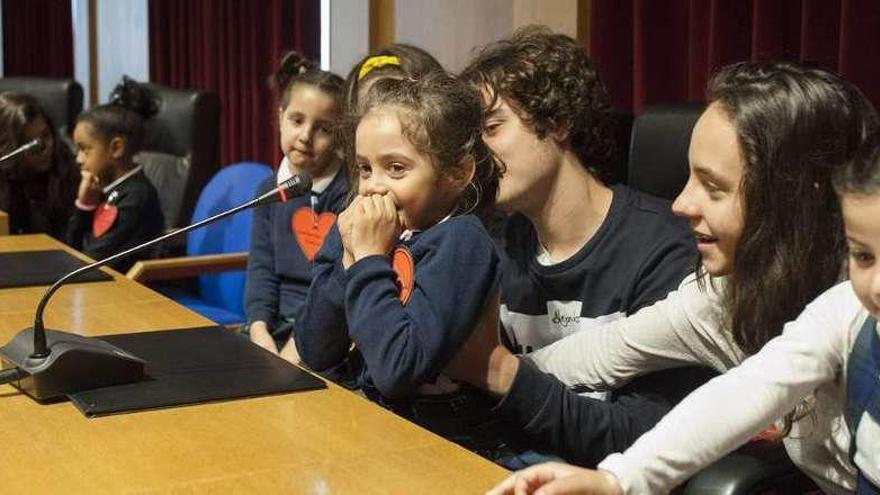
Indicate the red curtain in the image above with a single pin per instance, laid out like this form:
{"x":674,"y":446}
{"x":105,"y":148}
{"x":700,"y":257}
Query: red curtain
{"x":651,"y":52}
{"x":232,"y":47}
{"x":37,"y":38}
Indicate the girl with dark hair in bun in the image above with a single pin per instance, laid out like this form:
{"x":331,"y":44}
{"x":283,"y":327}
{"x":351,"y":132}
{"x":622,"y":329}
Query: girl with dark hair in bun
{"x":286,"y":236}
{"x":116,"y":205}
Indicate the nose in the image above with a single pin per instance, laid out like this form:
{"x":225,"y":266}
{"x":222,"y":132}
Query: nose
{"x":80,"y":158}
{"x":374,"y":184}
{"x":875,"y":285}
{"x":684,"y":204}
{"x":306,"y":134}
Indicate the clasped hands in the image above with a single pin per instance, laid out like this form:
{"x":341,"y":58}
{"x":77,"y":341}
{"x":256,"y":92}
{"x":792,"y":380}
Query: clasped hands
{"x":371,"y":225}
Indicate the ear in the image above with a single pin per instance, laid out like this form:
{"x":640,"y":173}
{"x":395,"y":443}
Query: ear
{"x":117,"y":147}
{"x":561,"y":134}
{"x":458,"y":177}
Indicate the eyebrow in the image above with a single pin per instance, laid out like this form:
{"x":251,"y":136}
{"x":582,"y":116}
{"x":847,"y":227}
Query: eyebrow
{"x":494,"y":112}
{"x":850,"y":238}
{"x":709,"y":174}
{"x":384,"y":157}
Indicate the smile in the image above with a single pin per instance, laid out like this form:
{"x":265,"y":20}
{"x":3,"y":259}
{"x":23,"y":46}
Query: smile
{"x":703,"y":238}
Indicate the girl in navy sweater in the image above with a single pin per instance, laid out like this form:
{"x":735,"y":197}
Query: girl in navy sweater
{"x":286,"y":236}
{"x":117,"y":207}
{"x":409,"y":269}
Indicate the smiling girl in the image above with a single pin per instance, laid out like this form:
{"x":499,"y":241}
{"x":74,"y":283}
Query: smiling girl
{"x":410,"y":268}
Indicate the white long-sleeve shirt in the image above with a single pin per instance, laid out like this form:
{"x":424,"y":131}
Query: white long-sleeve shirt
{"x":688,"y":327}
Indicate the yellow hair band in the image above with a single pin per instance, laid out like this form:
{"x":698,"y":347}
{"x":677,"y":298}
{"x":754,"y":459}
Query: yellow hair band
{"x":376,"y":62}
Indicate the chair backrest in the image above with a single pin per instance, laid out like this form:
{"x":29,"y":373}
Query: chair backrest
{"x":658,"y":151}
{"x":232,"y":186}
{"x":62,"y":99}
{"x":186,"y":127}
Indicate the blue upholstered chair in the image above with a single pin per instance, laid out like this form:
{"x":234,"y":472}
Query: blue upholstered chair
{"x":219,"y":247}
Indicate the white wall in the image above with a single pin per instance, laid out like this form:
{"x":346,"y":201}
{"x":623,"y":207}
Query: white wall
{"x":79,"y":10}
{"x":123,"y":43}
{"x":559,"y":15}
{"x":450,"y":29}
{"x":349,"y":33}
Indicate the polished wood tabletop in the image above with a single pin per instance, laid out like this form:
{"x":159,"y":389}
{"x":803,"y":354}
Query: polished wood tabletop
{"x":317,"y":442}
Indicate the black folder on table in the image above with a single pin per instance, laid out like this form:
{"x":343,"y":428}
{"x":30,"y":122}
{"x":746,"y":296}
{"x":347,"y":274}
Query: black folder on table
{"x":192,"y":366}
{"x":33,"y":268}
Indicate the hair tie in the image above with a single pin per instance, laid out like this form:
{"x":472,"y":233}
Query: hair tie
{"x":376,"y":62}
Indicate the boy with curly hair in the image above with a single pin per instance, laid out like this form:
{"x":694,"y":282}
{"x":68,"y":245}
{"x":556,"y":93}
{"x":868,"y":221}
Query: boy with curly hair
{"x":576,"y":252}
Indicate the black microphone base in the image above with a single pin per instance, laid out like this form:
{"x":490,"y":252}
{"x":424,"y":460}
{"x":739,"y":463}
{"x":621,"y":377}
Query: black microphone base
{"x":74,"y":363}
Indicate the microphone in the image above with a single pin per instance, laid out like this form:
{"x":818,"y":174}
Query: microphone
{"x":35,"y":145}
{"x":297,"y":185}
{"x":48,"y":364}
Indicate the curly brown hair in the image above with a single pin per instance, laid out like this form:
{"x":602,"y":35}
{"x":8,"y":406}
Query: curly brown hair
{"x":552,"y":85}
{"x":442,"y":118}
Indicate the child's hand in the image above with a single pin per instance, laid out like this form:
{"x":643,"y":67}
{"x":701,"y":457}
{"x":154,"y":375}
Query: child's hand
{"x":260,"y":335}
{"x":89,"y":189}
{"x":557,"y":478}
{"x":375,"y":226}
{"x":289,"y":353}
{"x":345,"y":221}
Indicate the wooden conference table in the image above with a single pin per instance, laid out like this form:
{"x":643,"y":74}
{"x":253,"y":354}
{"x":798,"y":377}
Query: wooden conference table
{"x":322,"y":442}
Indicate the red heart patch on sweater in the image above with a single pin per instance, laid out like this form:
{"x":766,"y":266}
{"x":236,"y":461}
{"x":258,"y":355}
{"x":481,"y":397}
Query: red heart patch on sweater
{"x":103,"y":219}
{"x":402,"y":263}
{"x":310,"y":229}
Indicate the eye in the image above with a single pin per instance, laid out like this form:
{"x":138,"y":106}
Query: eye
{"x":861,"y":258}
{"x":396,"y":170}
{"x":364,"y":170}
{"x":713,"y":189}
{"x":490,"y":127}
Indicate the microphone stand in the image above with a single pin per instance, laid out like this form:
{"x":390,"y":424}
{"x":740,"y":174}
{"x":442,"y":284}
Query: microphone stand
{"x":33,"y":144}
{"x":48,"y":364}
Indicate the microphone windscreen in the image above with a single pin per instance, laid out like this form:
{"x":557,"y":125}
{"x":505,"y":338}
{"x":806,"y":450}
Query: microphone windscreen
{"x":34,"y":146}
{"x":298,"y":185}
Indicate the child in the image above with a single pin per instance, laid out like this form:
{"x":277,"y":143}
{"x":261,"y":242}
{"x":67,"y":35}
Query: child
{"x":116,"y":207}
{"x":760,"y":203}
{"x":286,"y":236}
{"x":831,"y":351}
{"x":37,"y":190}
{"x":409,"y":268}
{"x":577,"y":253}
{"x":395,"y":61}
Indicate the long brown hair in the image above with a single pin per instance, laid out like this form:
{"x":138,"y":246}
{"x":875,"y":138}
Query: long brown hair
{"x":795,"y":125}
{"x":17,"y":110}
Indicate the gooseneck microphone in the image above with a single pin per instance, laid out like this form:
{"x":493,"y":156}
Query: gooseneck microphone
{"x":34,"y":145}
{"x":47,"y":364}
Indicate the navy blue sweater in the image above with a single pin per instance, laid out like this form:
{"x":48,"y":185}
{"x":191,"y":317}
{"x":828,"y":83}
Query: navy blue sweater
{"x":138,"y":219}
{"x":279,"y":271}
{"x":403,"y":345}
{"x":639,"y":254}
